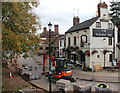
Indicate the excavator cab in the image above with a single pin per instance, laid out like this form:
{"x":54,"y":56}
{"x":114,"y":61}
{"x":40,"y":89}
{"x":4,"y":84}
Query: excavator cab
{"x":61,"y":70}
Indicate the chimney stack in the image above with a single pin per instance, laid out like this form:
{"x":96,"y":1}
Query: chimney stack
{"x":44,"y":29}
{"x":101,"y":6}
{"x":56,"y":28}
{"x":75,"y":20}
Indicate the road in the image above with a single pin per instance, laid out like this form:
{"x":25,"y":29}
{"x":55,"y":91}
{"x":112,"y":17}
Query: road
{"x":36,"y":61}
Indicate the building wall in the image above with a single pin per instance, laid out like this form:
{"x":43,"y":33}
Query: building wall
{"x":118,"y":56}
{"x":78,"y":35}
{"x":100,"y":44}
{"x":61,"y":47}
{"x":94,"y":43}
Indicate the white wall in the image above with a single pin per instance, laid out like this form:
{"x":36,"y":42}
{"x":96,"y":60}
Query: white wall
{"x":61,"y":53}
{"x":78,"y":35}
{"x":98,"y":43}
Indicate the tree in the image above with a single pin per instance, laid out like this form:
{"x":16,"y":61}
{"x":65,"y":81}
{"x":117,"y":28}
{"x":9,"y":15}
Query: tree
{"x":19,"y":26}
{"x":115,"y":15}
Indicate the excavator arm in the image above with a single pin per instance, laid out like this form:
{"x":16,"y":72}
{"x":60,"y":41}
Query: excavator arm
{"x":45,"y":57}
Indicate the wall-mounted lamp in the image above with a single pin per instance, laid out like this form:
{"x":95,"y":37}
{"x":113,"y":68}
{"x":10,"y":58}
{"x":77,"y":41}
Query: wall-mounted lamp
{"x":104,"y":39}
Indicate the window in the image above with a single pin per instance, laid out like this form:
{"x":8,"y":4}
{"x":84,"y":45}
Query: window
{"x":98,"y":24}
{"x":110,"y":41}
{"x":109,"y":25}
{"x":83,"y":39}
{"x":60,"y":43}
{"x":74,"y":40}
{"x":60,"y":51}
{"x":110,"y":57}
{"x":41,"y":48}
{"x":46,"y":48}
{"x":98,"y":56}
{"x":68,"y":41}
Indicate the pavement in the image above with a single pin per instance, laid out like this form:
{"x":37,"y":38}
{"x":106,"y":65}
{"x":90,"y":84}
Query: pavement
{"x":101,"y":76}
{"x":83,"y":77}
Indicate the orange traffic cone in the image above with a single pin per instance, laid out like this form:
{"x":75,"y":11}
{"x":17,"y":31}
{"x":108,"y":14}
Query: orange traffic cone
{"x":11,"y":75}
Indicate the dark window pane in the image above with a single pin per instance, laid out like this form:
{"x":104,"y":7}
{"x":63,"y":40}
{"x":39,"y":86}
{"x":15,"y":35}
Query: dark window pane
{"x":110,"y":40}
{"x":74,"y":40}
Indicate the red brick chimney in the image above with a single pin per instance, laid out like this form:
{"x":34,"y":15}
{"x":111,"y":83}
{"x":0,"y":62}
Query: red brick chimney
{"x":101,"y":5}
{"x":56,"y":28}
{"x":44,"y":29}
{"x":75,"y":20}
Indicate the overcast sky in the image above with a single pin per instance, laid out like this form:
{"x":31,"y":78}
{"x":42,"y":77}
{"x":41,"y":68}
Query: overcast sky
{"x":61,"y":12}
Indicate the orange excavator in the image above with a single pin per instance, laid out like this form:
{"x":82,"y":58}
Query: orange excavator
{"x":61,"y":70}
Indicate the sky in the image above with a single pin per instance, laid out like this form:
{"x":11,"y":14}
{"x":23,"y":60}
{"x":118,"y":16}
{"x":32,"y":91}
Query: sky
{"x":61,"y":12}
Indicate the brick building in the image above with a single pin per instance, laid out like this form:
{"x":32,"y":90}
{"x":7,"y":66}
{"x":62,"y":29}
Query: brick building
{"x":44,"y":48}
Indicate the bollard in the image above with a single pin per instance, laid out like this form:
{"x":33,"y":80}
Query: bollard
{"x":11,"y":75}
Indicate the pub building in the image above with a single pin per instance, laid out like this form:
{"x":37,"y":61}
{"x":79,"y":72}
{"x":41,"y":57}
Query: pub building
{"x":92,"y":41}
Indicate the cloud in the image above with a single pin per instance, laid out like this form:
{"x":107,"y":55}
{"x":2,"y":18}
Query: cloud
{"x":61,"y":12}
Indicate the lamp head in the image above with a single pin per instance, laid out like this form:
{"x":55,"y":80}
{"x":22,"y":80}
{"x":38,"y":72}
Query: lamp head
{"x":50,"y":25}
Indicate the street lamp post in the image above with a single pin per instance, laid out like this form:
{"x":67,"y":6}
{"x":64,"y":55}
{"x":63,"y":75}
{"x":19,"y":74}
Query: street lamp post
{"x":114,"y":42}
{"x":50,"y":27}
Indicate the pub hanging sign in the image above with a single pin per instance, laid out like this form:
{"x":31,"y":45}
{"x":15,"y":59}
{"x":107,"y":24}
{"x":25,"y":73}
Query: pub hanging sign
{"x":103,"y":33}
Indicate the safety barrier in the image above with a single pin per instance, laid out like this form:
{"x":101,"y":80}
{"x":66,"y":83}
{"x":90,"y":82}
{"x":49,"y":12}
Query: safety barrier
{"x":82,"y":89}
{"x":97,"y":67}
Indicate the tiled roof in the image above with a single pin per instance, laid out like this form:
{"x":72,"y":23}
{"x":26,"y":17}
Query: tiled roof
{"x":84,"y":25}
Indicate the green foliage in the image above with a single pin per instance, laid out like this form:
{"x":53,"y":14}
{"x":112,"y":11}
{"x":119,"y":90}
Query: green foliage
{"x":115,"y":15}
{"x":115,"y":8}
{"x":19,"y":26}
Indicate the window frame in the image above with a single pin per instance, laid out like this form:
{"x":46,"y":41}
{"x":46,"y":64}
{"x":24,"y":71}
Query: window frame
{"x":110,"y":42}
{"x":109,"y":25}
{"x":60,"y":43}
{"x":85,"y":39}
{"x":68,"y":41}
{"x":75,"y":40}
{"x":98,"y":24}
{"x":110,"y":57}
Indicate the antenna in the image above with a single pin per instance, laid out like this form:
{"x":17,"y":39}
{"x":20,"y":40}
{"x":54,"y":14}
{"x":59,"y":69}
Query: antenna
{"x":78,"y":12}
{"x":75,"y":12}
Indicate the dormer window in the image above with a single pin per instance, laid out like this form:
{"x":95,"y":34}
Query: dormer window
{"x":98,"y":24}
{"x":109,"y":25}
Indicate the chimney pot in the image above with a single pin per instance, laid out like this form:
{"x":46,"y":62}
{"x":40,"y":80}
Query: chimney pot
{"x":44,"y":29}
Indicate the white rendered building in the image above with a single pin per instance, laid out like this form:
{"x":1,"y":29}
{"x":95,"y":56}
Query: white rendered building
{"x":93,"y":40}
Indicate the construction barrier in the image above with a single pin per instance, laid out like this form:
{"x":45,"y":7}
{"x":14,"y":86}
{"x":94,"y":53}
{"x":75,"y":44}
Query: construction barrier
{"x":82,"y":89}
{"x":11,"y":75}
{"x":102,"y":88}
{"x":97,"y":67}
{"x":63,"y":85}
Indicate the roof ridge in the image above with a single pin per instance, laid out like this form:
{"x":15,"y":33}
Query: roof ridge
{"x":89,"y":19}
{"x":83,"y":25}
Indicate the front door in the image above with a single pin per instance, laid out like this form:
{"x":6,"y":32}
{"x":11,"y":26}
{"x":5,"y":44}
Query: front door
{"x":74,"y":58}
{"x":82,"y":57}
